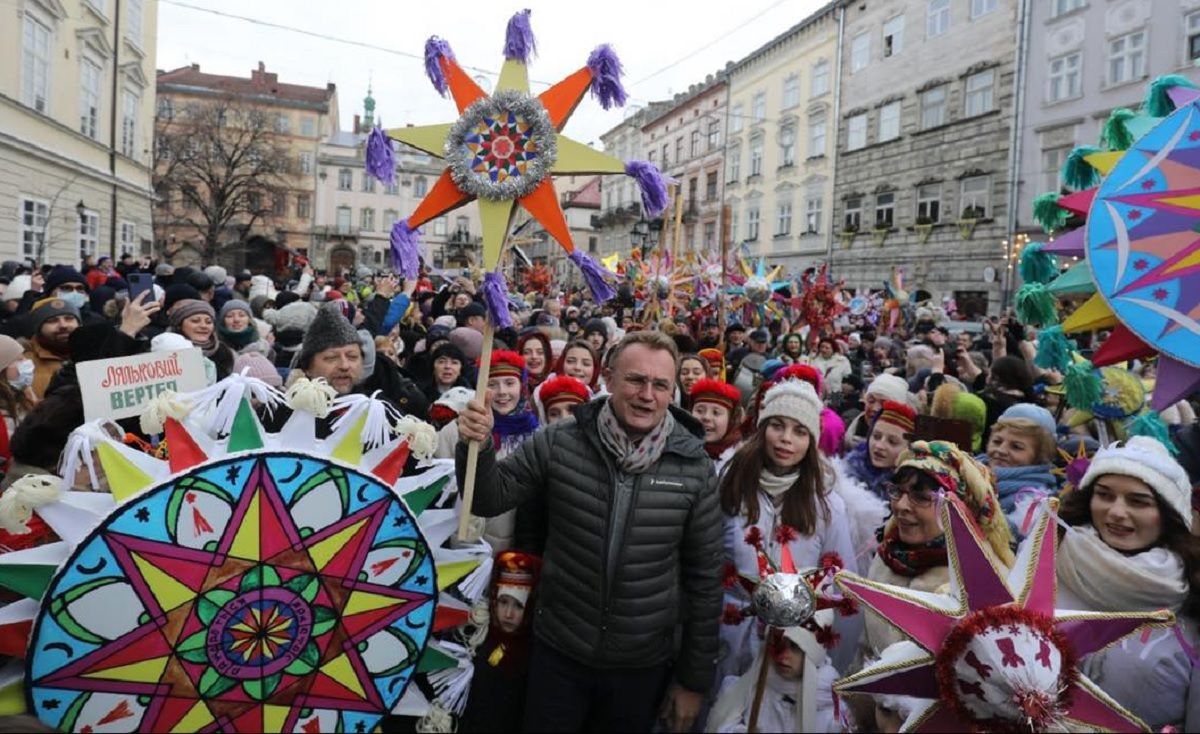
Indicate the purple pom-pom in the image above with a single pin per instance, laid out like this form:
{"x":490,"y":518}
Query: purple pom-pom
{"x":653,"y":185}
{"x":519,"y":43}
{"x":595,"y":275}
{"x":495,"y":297}
{"x":381,"y":158}
{"x":435,"y":50}
{"x":606,"y":77}
{"x":406,"y":250}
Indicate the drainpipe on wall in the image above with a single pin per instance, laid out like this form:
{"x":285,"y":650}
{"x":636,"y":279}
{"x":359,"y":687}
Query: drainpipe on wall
{"x":112,"y":131}
{"x":837,"y":111}
{"x":1014,"y":148}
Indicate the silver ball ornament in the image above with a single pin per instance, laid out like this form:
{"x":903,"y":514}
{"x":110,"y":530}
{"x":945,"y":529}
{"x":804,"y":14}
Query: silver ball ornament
{"x":784,"y":600}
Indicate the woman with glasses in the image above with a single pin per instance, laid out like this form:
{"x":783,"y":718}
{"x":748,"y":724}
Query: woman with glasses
{"x":776,"y":490}
{"x":912,"y":551}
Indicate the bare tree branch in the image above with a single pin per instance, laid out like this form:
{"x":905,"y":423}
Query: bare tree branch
{"x":220,"y":167}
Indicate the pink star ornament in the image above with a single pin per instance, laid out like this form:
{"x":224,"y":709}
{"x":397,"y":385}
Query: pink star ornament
{"x":994,"y":654}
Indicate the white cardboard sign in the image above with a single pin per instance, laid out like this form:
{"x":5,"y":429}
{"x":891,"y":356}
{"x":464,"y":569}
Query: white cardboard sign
{"x":122,"y":387}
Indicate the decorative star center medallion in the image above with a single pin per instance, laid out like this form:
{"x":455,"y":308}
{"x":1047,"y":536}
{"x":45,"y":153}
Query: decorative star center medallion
{"x":259,"y":633}
{"x":502,"y":147}
{"x":288,"y":600}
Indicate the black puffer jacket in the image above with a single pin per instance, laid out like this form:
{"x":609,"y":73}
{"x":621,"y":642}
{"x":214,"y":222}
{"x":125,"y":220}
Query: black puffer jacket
{"x":670,"y":550}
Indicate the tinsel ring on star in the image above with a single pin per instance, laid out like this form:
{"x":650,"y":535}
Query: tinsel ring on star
{"x":1004,"y":661}
{"x":502,"y":147}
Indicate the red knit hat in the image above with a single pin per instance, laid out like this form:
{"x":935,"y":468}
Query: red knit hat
{"x":516,"y":575}
{"x":563,"y":389}
{"x":805,"y":372}
{"x":715,"y":359}
{"x":717,"y":392}
{"x":507,"y":363}
{"x":898,"y":414}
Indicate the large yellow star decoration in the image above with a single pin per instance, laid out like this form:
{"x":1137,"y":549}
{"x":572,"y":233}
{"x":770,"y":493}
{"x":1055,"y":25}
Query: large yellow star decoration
{"x":504,"y":150}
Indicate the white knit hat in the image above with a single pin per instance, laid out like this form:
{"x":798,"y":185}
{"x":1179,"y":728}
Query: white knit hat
{"x":889,"y":387}
{"x":1146,"y":459}
{"x":793,"y":399}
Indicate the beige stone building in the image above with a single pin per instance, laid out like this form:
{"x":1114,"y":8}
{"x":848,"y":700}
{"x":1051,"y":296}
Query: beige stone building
{"x":354,"y":212}
{"x":686,"y":142}
{"x":780,"y":143}
{"x":924,"y":138}
{"x":301,"y":117}
{"x":620,"y":200}
{"x":76,"y":119}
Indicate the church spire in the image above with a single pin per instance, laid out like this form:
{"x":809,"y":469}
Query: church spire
{"x":368,"y":109}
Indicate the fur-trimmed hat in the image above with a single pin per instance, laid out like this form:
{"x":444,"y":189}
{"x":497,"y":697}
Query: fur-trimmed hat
{"x":794,"y":399}
{"x":897,"y":414}
{"x":559,"y":389}
{"x":449,"y":404}
{"x":516,"y":575}
{"x":1145,"y":458}
{"x":328,"y":329}
{"x":805,"y":372}
{"x":715,"y":359}
{"x":717,"y":392}
{"x":507,"y":363}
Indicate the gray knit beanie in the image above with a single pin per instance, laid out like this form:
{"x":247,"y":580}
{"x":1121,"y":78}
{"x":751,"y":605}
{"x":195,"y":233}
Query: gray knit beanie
{"x":328,"y":330}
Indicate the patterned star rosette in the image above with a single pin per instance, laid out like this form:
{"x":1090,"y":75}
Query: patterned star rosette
{"x":503,"y":151}
{"x":244,"y":584}
{"x":993,"y":654}
{"x":756,"y":289}
{"x":1138,"y":250}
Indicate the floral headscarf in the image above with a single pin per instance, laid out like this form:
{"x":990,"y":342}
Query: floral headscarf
{"x":959,"y":474}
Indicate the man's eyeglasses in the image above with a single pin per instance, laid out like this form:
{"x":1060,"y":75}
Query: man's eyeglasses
{"x":918,"y":497}
{"x":639,"y":383}
{"x":72,"y":288}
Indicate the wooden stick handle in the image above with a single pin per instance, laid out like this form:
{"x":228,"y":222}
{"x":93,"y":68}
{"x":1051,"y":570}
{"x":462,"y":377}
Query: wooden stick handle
{"x":760,"y":685}
{"x":468,"y":495}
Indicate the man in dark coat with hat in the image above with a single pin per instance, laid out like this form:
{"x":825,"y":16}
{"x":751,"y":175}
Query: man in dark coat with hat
{"x":334,"y":350}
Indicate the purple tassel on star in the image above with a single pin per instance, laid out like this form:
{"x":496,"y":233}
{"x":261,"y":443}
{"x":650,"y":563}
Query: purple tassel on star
{"x":381,"y":158}
{"x":436,"y":49}
{"x":406,"y":250}
{"x":653,"y":185}
{"x":495,"y":297}
{"x":606,"y":77}
{"x":595,"y":275}
{"x":519,"y":43}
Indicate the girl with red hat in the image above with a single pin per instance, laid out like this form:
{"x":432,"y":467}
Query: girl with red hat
{"x":557,"y":397}
{"x":514,"y":422}
{"x":717,"y":405}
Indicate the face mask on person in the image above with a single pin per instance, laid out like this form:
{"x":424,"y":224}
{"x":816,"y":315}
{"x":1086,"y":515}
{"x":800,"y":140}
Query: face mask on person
{"x":24,"y":376}
{"x":75,"y":298}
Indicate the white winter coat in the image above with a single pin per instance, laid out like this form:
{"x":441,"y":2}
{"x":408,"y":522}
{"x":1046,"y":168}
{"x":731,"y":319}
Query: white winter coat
{"x":740,"y":643}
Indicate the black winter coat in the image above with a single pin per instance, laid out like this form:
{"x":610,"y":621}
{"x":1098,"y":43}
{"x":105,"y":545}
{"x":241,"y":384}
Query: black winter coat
{"x":670,"y":552}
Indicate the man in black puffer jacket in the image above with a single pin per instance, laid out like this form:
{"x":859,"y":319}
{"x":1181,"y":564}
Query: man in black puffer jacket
{"x":633,"y":540}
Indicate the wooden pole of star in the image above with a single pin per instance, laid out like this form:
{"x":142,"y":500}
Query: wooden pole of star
{"x":719,"y":300}
{"x":468,"y":496}
{"x":760,"y":686}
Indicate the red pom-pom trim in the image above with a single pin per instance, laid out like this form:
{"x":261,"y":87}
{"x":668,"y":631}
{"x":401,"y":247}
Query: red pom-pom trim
{"x":977,"y":622}
{"x":785,"y":534}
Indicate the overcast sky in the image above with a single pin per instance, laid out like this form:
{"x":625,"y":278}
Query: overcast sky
{"x":665,"y":46}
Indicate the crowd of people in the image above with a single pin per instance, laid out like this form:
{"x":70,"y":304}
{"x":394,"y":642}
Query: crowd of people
{"x":632,"y":475}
